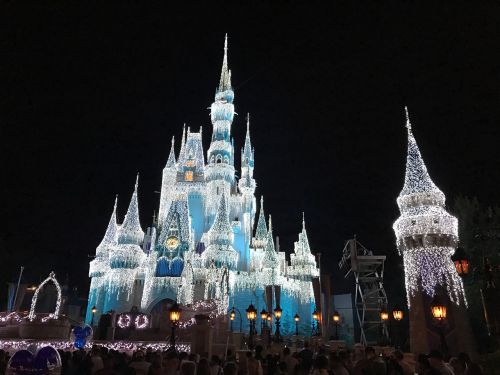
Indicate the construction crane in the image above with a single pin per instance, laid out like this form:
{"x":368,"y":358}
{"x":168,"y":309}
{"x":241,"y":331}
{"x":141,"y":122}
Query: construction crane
{"x":370,"y":298}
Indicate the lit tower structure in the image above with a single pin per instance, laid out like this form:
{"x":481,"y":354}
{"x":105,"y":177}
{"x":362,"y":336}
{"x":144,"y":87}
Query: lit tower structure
{"x":427,"y":236}
{"x":219,"y":173}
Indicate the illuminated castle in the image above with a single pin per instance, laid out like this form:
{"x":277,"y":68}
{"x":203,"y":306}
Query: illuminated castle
{"x":202,"y":245}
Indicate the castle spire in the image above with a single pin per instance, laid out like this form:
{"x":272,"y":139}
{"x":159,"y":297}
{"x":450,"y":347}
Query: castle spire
{"x":261,"y":231}
{"x":110,"y":235}
{"x":225,"y":76}
{"x":417,"y":179}
{"x":183,"y":142}
{"x":130,"y":230}
{"x":270,"y":259}
{"x":171,"y":156}
{"x":247,"y":148}
{"x":220,"y":232}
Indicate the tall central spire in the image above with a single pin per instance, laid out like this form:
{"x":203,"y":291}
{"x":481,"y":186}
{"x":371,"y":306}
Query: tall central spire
{"x":225,"y":76}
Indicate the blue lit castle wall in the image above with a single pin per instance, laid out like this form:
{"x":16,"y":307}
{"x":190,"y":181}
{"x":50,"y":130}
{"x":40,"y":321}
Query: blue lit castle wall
{"x":206,"y":242}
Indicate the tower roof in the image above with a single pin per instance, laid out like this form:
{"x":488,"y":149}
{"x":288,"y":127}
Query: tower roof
{"x":130,"y":230}
{"x":110,"y":235}
{"x":225,"y":76}
{"x":171,"y":156}
{"x":183,"y":143}
{"x":261,"y":231}
{"x":302,"y":245}
{"x":220,"y":232}
{"x":270,"y":259}
{"x":247,"y":148}
{"x":417,"y":179}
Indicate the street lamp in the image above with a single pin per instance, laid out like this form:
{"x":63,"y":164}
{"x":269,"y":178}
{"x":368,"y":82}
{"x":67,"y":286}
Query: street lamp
{"x":336,"y":320}
{"x":398,"y":315}
{"x":174,"y":316}
{"x":94,"y":310}
{"x":461,"y":262}
{"x":263,"y":320}
{"x":384,"y":317}
{"x":316,"y":319}
{"x":232,"y":315}
{"x":439,"y":312}
{"x":251,"y":316}
{"x":297,"y":320}
{"x":277,"y":314}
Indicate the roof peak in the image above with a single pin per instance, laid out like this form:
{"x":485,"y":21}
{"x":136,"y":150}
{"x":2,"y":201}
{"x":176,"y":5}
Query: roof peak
{"x":225,"y":76}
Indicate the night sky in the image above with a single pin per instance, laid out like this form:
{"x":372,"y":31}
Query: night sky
{"x":90,"y":95}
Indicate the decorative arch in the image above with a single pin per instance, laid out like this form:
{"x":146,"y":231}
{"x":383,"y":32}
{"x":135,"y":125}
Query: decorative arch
{"x":168,"y":294}
{"x":55,"y":315}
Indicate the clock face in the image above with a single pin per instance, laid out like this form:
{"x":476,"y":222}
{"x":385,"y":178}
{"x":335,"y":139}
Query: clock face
{"x":172,"y":242}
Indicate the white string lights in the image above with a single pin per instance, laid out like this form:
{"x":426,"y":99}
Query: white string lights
{"x":426,"y":233}
{"x":55,"y":315}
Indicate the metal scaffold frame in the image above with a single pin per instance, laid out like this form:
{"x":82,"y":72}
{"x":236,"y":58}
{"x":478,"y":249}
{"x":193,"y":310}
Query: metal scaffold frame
{"x":370,"y":297}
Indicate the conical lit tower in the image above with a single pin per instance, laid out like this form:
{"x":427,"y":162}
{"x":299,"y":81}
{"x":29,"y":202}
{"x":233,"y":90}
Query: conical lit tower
{"x":427,"y":236}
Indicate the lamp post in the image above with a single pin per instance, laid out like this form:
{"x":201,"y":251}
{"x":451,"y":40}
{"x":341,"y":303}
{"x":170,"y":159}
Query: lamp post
{"x":251,"y":316}
{"x":232,"y":315}
{"x":315,"y":323}
{"x":174,"y":316}
{"x":398,"y":315}
{"x":336,"y":321}
{"x":277,"y":314}
{"x":263,"y":321}
{"x":439,"y":312}
{"x":384,"y":317}
{"x":297,"y":320}
{"x":94,"y":310}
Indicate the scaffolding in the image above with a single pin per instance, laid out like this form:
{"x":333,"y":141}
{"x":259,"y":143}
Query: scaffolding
{"x":370,"y":297}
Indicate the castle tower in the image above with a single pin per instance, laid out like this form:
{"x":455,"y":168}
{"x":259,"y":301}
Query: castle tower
{"x":167,"y":184}
{"x":99,"y":266}
{"x":219,"y":172}
{"x":427,"y":236}
{"x":125,"y":259}
{"x":260,"y":238}
{"x":302,"y":262}
{"x":220,"y":249}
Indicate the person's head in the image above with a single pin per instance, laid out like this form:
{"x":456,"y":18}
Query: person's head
{"x":230,"y":368}
{"x":249,"y":354}
{"x":457,"y":365}
{"x":464,"y":358}
{"x":286,"y":351}
{"x":435,"y":358}
{"x":203,"y":367}
{"x":306,"y":344}
{"x":369,"y":352}
{"x":193,"y":357}
{"x":335,"y":360}
{"x":188,"y":368}
{"x":474,"y":369}
{"x":215,"y":360}
{"x":321,"y":362}
{"x":258,"y":349}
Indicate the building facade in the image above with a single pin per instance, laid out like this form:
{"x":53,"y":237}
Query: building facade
{"x":207,"y":242}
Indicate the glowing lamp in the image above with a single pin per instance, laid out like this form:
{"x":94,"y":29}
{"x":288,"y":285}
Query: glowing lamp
{"x":316,"y":314}
{"x":278,"y":312}
{"x":384,"y":315}
{"x":174,"y":313}
{"x":336,"y":317}
{"x":251,"y":313}
{"x":232,"y":314}
{"x":94,"y":310}
{"x":263,"y":314}
{"x":438,"y":309}
{"x":397,"y":314}
{"x":296,"y":318}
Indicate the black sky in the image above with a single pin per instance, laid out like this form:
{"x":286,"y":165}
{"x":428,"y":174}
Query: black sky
{"x":92,"y":94}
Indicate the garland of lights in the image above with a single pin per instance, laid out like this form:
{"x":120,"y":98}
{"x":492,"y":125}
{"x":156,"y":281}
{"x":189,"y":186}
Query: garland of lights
{"x":124,"y":321}
{"x":426,"y":234}
{"x":55,"y":315}
{"x":141,"y":321}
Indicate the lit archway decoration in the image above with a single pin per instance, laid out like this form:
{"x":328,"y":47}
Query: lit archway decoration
{"x":141,"y":321}
{"x":55,"y":315}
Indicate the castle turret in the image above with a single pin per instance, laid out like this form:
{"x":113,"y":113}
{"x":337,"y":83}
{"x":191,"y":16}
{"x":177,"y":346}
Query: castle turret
{"x":260,"y":238}
{"x":167,"y":183}
{"x":219,"y":171}
{"x":99,"y":266}
{"x":302,"y":261}
{"x":427,"y":236}
{"x":220,"y":238}
{"x":247,"y":182}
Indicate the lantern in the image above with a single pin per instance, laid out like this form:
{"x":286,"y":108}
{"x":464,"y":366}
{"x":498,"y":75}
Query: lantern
{"x":384,"y":315}
{"x":336,"y":317}
{"x":94,"y":310}
{"x":232,"y":314}
{"x":175,"y":313}
{"x":296,"y":318}
{"x":263,"y":314}
{"x":278,"y":312}
{"x":438,"y":309}
{"x":397,"y":314}
{"x":251,"y":313}
{"x":316,"y":315}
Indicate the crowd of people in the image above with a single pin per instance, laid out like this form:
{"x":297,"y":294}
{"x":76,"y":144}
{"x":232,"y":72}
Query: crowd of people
{"x":101,"y":361}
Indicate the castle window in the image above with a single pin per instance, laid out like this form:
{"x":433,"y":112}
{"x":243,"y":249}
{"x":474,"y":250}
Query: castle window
{"x":226,"y":160}
{"x":188,"y":176}
{"x":219,"y":159}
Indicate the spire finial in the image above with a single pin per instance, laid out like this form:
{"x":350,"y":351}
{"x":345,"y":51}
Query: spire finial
{"x":303,"y":221}
{"x":225,"y":76}
{"x":173,"y":141}
{"x":270,"y":224}
{"x":116,"y":202}
{"x":136,"y":181}
{"x":261,"y":201}
{"x":408,"y":124}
